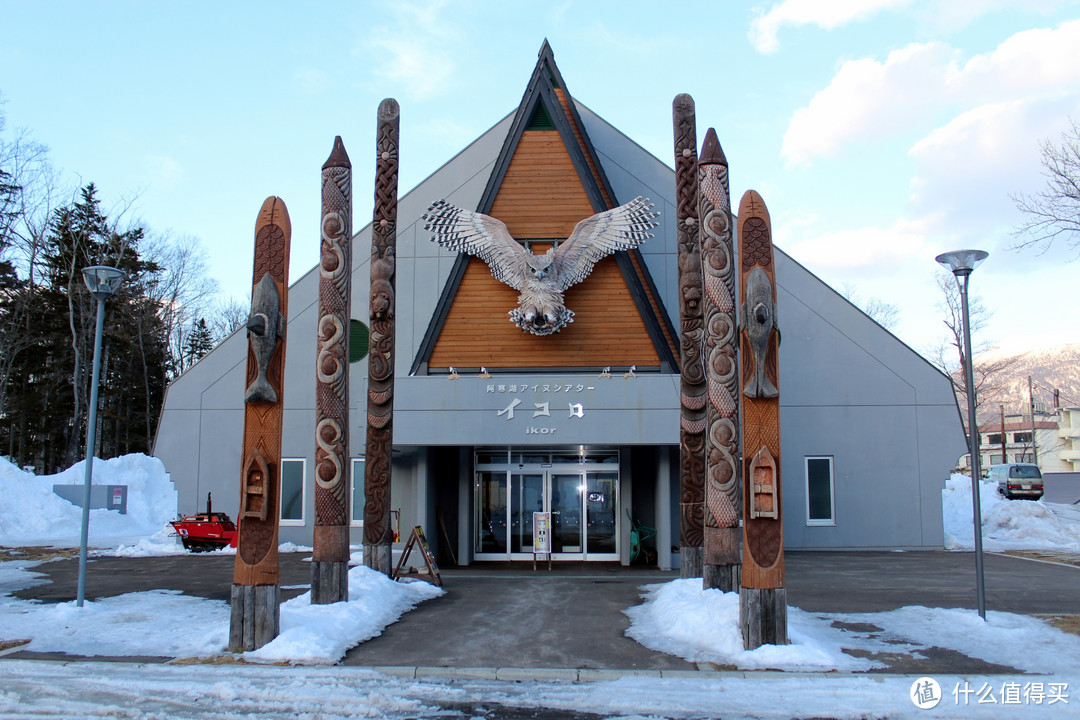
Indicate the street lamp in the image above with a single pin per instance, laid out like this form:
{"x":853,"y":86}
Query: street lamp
{"x":961,"y":263}
{"x":102,"y":281}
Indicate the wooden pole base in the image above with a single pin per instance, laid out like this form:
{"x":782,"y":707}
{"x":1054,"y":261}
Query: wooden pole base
{"x":255,"y":617}
{"x":329,"y":582}
{"x":724,"y":578}
{"x":690,"y":558}
{"x":377,"y":557}
{"x":763,"y":616}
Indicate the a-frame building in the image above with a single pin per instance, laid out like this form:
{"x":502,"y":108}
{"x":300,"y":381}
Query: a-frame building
{"x":870,"y":430}
{"x":545,"y":180}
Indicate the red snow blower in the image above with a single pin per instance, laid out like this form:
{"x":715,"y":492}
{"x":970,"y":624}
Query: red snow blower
{"x":203,"y":532}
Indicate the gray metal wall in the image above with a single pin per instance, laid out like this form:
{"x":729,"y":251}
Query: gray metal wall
{"x":849,"y":389}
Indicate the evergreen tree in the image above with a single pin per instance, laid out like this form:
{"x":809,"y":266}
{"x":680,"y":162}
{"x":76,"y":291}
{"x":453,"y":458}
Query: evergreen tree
{"x":199,"y":343}
{"x":45,"y":411}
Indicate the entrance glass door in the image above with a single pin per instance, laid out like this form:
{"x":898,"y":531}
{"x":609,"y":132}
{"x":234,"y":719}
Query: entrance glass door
{"x":601,"y":508}
{"x":528,"y":498}
{"x":581,"y":497}
{"x":491,"y":491}
{"x":566,"y":512}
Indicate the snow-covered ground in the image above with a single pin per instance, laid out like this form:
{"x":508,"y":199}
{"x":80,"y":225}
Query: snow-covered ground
{"x":677,"y":617}
{"x":1006,"y":524}
{"x":32,"y":514}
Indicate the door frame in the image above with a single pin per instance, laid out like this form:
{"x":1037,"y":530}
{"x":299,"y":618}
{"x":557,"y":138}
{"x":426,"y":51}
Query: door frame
{"x":547,"y":470}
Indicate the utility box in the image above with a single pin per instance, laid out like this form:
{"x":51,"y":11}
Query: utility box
{"x":110,"y":497}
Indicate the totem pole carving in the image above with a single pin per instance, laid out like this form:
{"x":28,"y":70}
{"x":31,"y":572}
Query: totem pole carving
{"x":330,"y":557}
{"x":378,"y":535}
{"x":693,"y":395}
{"x":722,"y":555}
{"x":762,"y":596}
{"x":256,"y":591}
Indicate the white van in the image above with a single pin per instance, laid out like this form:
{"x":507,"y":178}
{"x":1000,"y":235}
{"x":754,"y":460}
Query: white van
{"x":1017,"y":480}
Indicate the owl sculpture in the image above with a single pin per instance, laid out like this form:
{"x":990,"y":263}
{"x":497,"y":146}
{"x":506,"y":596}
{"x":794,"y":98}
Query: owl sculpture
{"x":541,"y":279}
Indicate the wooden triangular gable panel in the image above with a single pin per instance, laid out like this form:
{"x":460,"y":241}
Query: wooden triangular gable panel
{"x":543,"y":183}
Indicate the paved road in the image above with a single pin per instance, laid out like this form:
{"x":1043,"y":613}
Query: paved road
{"x":816,"y":581}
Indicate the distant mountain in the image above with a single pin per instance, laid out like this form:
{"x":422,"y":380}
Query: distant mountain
{"x":1057,"y":367}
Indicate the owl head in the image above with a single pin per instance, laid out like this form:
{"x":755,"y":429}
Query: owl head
{"x":540,"y":267}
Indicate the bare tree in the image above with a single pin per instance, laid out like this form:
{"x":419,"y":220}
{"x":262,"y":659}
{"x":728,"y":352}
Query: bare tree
{"x":1054,"y":211}
{"x":227,"y":317}
{"x":883,"y":313}
{"x":28,"y":196}
{"x":184,"y":290}
{"x":987,"y":373}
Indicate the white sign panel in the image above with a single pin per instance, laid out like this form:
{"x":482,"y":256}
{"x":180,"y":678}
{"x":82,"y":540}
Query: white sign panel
{"x":541,"y":532}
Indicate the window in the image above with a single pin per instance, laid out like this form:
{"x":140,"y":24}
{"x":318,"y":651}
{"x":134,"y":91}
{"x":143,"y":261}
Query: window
{"x":996,"y":459}
{"x":357,"y":503}
{"x":819,"y":491}
{"x":292,"y":491}
{"x":993,"y":439}
{"x":1022,"y":437}
{"x":1025,"y":457}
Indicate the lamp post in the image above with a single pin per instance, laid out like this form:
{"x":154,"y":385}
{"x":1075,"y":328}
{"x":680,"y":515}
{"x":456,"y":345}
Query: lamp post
{"x":961,"y":263}
{"x":102,"y":281}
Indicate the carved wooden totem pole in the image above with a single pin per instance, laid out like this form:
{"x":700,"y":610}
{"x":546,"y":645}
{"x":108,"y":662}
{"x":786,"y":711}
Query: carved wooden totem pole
{"x":762,"y":596}
{"x":378,"y":535}
{"x":330,"y":559}
{"x":256,"y":590}
{"x":722,"y":503}
{"x":692,"y":373}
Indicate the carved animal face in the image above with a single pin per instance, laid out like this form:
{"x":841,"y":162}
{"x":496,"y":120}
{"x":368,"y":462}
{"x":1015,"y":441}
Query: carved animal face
{"x":540,"y":267}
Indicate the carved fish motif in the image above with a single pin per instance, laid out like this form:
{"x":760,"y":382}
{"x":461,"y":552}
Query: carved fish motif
{"x":759,"y":319}
{"x":265,"y":326}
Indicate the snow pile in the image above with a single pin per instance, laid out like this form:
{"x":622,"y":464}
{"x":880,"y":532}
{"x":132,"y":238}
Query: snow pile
{"x":375,"y":601}
{"x":31,"y":514}
{"x":1006,"y":524}
{"x":164,"y":542}
{"x":681,"y":619}
{"x":167,"y":623}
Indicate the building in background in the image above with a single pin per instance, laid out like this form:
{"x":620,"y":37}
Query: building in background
{"x":1056,"y":434}
{"x":584,"y":423}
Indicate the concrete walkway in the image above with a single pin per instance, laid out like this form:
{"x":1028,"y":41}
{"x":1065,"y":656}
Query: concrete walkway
{"x":512,"y":623}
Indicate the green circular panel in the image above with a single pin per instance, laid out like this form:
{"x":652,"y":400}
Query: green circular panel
{"x":358,"y":341}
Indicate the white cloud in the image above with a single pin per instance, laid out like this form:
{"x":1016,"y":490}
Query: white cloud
{"x":826,"y":15}
{"x":1027,"y":63}
{"x":416,"y":51}
{"x":939,"y":15}
{"x":863,"y":252}
{"x":868,"y":99}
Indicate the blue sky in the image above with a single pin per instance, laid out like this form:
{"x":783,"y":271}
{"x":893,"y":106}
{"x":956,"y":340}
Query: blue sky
{"x":879,"y":132}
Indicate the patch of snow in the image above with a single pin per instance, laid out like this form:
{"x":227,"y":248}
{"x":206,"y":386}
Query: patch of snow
{"x":682,"y":619}
{"x":375,"y":601}
{"x":1006,"y":524}
{"x":31,"y":514}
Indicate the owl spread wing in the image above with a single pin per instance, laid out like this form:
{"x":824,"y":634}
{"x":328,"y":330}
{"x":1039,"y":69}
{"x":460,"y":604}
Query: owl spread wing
{"x":596,"y":237}
{"x":477,"y":234}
